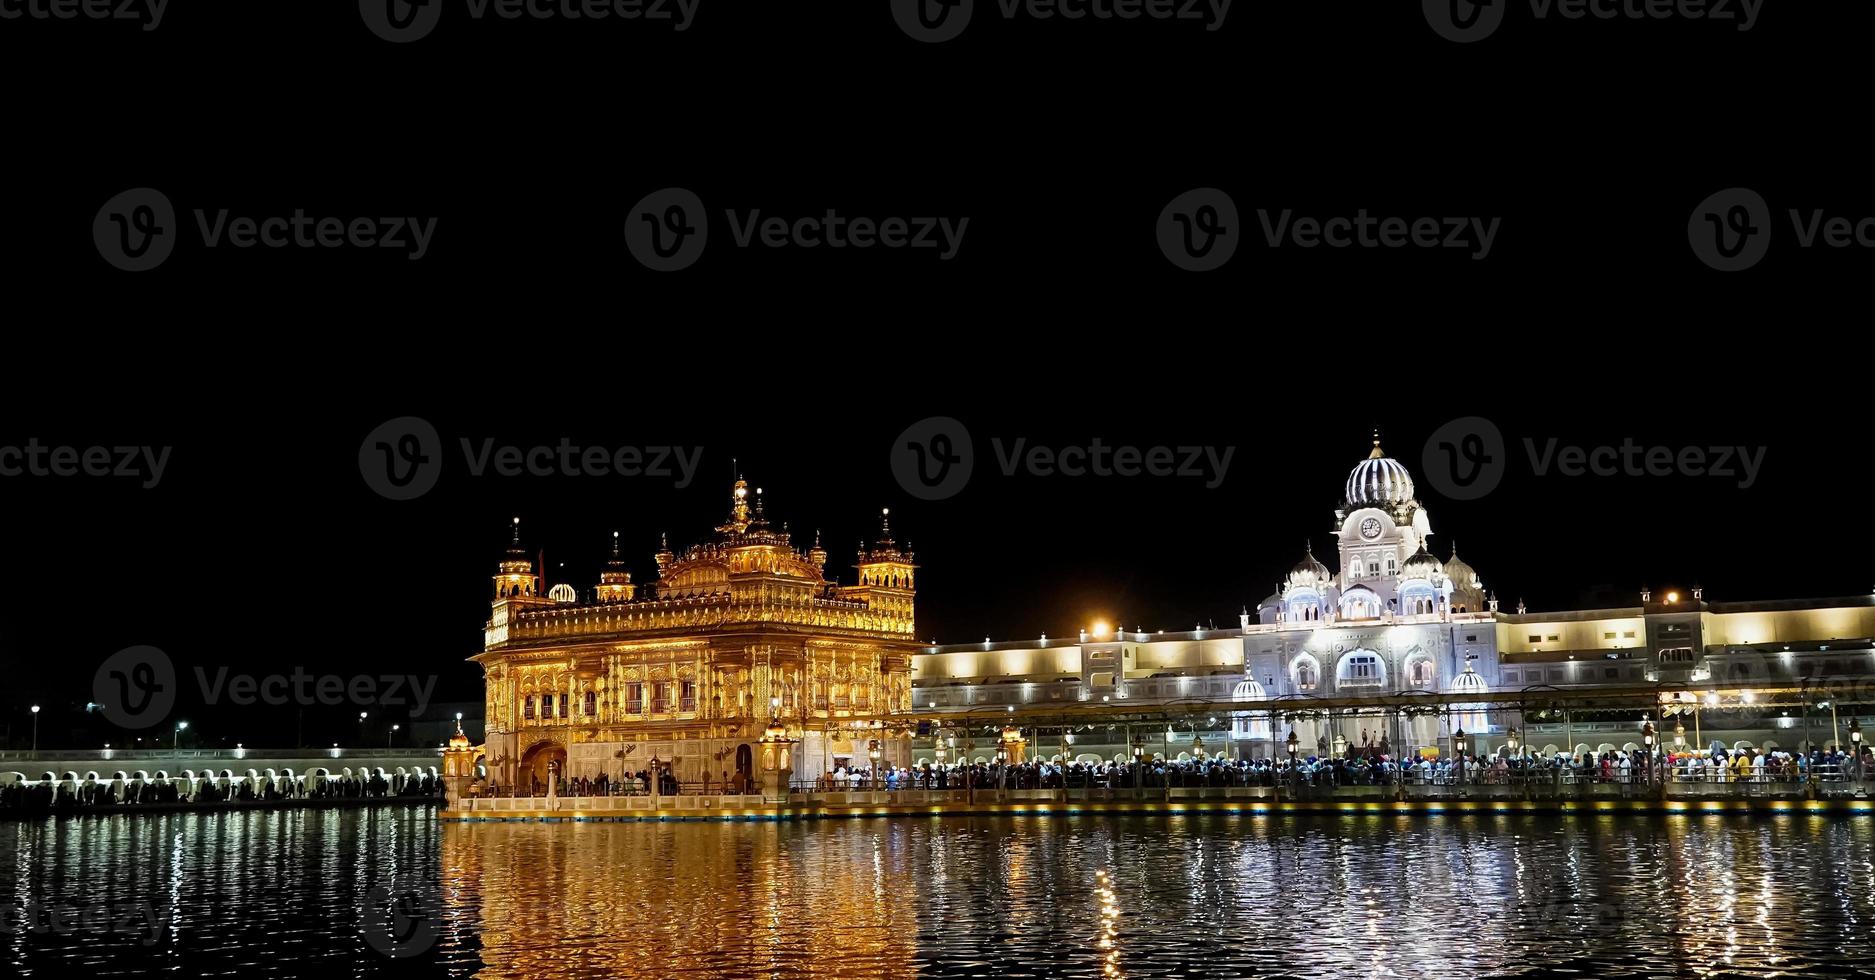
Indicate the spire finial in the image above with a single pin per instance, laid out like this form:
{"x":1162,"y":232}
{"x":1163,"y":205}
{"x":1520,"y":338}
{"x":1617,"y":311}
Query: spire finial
{"x":1377,"y":452}
{"x":517,"y":532}
{"x":615,"y":546}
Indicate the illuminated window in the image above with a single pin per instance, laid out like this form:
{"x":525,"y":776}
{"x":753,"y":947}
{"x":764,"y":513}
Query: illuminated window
{"x":546,"y":706}
{"x":527,"y":707}
{"x":590,"y":703}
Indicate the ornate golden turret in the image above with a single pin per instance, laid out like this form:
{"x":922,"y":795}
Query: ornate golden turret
{"x":817,"y":555}
{"x":738,"y":508}
{"x":516,"y":577}
{"x":615,"y":583}
{"x":664,"y":556}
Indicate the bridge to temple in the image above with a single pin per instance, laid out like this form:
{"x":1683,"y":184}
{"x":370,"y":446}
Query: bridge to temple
{"x":108,"y":762}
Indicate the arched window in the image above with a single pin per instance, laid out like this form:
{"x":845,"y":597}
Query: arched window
{"x":587,"y":707}
{"x":1306,"y":677}
{"x":527,"y":707}
{"x":546,"y":706}
{"x":1419,"y":674}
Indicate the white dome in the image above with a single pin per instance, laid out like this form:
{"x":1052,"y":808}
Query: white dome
{"x":1309,"y":572}
{"x":1469,"y":682}
{"x":1379,"y":481}
{"x":1248,"y":690}
{"x":1422,"y":566}
{"x":1461,"y":574}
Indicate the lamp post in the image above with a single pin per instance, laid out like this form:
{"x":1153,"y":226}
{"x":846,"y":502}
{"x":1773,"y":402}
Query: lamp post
{"x":1647,"y":743}
{"x":35,"y":728}
{"x":388,"y":735}
{"x":1855,"y":746}
{"x":1293,"y":746}
{"x":1515,"y":745}
{"x":1458,"y":748}
{"x":176,"y":744}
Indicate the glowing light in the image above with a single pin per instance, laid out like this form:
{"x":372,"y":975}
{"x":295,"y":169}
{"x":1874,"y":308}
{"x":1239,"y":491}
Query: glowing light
{"x":1673,"y":597}
{"x":1101,"y":629}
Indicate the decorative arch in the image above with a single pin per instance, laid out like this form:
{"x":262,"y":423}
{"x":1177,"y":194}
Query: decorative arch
{"x":1360,"y":668}
{"x":1305,"y":672}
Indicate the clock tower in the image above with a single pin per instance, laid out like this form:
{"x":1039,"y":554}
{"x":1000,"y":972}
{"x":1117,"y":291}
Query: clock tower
{"x":1379,"y":526}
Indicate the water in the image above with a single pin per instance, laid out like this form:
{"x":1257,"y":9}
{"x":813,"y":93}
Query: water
{"x":310,"y":893}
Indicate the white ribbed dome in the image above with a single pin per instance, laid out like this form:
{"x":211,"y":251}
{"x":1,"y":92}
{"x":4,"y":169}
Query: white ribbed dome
{"x":1469,"y":682}
{"x":1379,"y":481}
{"x":1422,"y":566}
{"x":1248,"y":690}
{"x":1461,"y":574}
{"x":1310,"y":573}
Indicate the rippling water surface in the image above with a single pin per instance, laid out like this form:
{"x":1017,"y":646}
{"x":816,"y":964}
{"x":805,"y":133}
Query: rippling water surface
{"x":392,"y":892}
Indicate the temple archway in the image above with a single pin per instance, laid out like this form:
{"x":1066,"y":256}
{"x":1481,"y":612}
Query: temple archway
{"x":536,"y":763}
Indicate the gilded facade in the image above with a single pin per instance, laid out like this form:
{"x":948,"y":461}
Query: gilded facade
{"x":686,"y":672}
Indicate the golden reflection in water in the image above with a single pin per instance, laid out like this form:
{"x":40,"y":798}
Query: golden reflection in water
{"x":1109,"y":924}
{"x":702,"y":899}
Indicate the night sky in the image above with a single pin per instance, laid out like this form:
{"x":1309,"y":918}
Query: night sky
{"x":262,"y":548}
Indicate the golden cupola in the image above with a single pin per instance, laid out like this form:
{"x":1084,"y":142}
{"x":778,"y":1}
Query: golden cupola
{"x":516,"y":578}
{"x":615,"y":583}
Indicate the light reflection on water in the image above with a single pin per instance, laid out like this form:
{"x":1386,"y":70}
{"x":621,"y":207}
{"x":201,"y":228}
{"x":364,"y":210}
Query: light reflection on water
{"x":289,"y":894}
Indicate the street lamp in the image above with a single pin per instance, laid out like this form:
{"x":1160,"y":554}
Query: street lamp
{"x":35,"y":728}
{"x":1512,"y":742}
{"x":1458,"y":748}
{"x":1679,"y":735}
{"x":387,"y":735}
{"x":176,"y":745}
{"x":1291,"y":743}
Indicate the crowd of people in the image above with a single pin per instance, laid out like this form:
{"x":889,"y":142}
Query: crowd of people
{"x":75,"y":792}
{"x":1356,"y":768}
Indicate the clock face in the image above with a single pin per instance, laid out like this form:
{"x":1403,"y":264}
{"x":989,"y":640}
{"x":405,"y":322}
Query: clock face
{"x":1370,"y":528}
